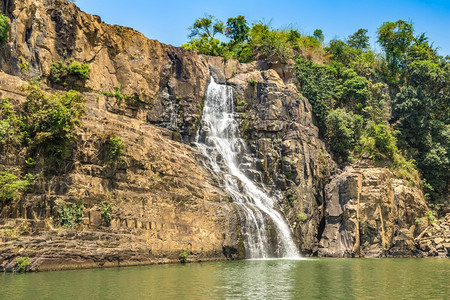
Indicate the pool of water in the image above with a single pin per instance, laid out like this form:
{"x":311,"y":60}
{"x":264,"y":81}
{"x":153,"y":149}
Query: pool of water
{"x":248,"y":279}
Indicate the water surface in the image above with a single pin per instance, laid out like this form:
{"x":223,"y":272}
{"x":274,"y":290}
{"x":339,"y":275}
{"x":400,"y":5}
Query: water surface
{"x":248,"y":279}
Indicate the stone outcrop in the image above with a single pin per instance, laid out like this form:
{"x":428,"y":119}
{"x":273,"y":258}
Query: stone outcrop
{"x":434,"y":241}
{"x":370,"y":213}
{"x":164,"y":200}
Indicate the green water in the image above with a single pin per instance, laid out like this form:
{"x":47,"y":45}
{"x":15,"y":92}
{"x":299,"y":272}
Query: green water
{"x":275,"y":279}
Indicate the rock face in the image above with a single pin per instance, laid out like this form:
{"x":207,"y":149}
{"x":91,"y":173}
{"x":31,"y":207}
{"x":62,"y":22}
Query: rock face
{"x":164,"y":201}
{"x":279,"y":128}
{"x":435,"y":240}
{"x":370,"y":213}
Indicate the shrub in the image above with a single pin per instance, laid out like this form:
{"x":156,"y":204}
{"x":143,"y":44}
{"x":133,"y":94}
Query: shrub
{"x":23,"y":263}
{"x":120,"y":96}
{"x":4,"y":27}
{"x":301,"y":218}
{"x":11,"y":133}
{"x":184,"y":255}
{"x":51,"y":120}
{"x":318,"y":84}
{"x":429,"y":215}
{"x":69,"y":73}
{"x":205,"y":45}
{"x":105,"y":211}
{"x":342,"y":131}
{"x":12,"y":186}
{"x":379,"y":141}
{"x":116,"y":147}
{"x":70,"y":214}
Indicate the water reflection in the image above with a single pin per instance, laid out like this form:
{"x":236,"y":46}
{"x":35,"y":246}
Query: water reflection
{"x":250,"y":279}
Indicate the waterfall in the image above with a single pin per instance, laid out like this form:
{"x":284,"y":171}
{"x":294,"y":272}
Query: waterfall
{"x":219,"y":141}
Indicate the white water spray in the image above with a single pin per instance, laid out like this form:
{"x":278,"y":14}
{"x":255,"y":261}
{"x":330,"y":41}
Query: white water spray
{"x":219,"y":141}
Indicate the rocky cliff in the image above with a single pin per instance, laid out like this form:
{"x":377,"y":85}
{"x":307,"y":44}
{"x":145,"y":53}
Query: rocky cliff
{"x":164,"y":201}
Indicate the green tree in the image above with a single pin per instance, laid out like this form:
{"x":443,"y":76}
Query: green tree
{"x":395,"y":38}
{"x":51,"y":120}
{"x":353,"y":91}
{"x":205,"y":45}
{"x":343,"y":131}
{"x":202,"y":36}
{"x":206,"y":27}
{"x":237,"y":30}
{"x":359,"y":40}
{"x":318,"y":34}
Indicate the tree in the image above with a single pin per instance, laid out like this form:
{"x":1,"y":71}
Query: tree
{"x":207,"y":26}
{"x":395,"y":38}
{"x":202,"y":34}
{"x":353,"y":91}
{"x":237,"y":30}
{"x":359,"y":40}
{"x":342,"y":131}
{"x":318,"y":34}
{"x":205,"y":45}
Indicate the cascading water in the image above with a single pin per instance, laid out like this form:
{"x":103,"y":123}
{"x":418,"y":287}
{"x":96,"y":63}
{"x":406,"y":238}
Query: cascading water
{"x":219,"y":141}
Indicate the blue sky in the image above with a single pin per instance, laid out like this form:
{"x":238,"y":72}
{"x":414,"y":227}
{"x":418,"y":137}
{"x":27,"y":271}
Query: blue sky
{"x":167,"y":21}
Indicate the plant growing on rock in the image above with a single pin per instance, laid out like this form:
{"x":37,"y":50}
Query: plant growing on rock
{"x":11,"y":186}
{"x":121,"y":96}
{"x":184,"y":255}
{"x":105,"y":212}
{"x":70,"y":214}
{"x":4,"y":27}
{"x":11,"y":133}
{"x":23,"y":263}
{"x":116,"y":148}
{"x":301,"y":218}
{"x":50,"y":122}
{"x":69,"y":73}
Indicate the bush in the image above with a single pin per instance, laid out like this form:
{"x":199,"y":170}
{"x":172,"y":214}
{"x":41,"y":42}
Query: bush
{"x":184,"y":255}
{"x":12,"y":186}
{"x":4,"y":27}
{"x":23,"y":263}
{"x":51,"y":120}
{"x":429,"y":215}
{"x":11,"y":134}
{"x":69,"y":73}
{"x":318,"y":84}
{"x":70,"y":214}
{"x":343,"y":131}
{"x":116,"y":147}
{"x":301,"y":218}
{"x":120,"y":96}
{"x":105,"y":211}
{"x":379,"y":142}
{"x":205,"y":45}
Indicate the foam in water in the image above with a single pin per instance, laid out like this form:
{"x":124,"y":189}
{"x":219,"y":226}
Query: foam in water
{"x":220,"y":142}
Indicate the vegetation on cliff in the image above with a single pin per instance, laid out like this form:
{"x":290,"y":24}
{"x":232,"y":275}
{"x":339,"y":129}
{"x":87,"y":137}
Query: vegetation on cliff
{"x":392,"y":107}
{"x":42,"y":132}
{"x":4,"y":27}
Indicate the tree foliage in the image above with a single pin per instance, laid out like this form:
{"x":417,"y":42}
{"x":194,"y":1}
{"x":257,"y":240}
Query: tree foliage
{"x":359,"y":40}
